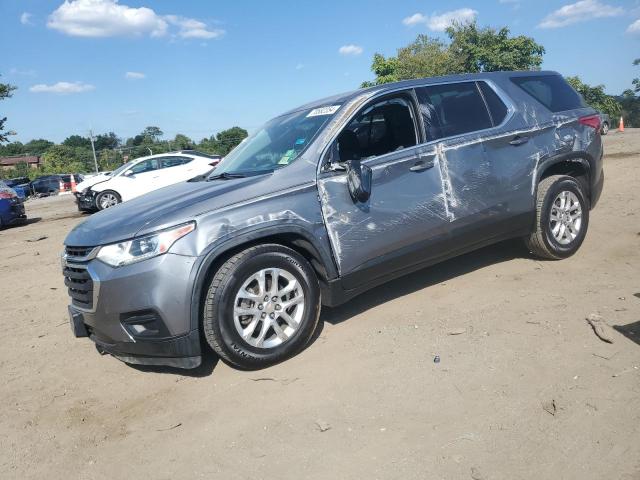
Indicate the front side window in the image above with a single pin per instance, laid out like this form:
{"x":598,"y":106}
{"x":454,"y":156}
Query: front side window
{"x":277,"y":144}
{"x":452,"y":109}
{"x":145,"y":166}
{"x":381,"y":128}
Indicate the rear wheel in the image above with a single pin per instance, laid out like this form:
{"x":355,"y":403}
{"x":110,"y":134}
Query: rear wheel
{"x":562,"y":218}
{"x":262,"y":306}
{"x":107,"y":199}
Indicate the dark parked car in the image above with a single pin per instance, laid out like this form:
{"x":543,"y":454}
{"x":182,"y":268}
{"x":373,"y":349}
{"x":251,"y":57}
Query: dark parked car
{"x":20,"y":185}
{"x":11,"y":206}
{"x":327,"y":201}
{"x":47,"y":185}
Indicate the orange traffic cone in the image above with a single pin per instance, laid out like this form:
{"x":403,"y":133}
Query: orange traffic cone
{"x":73,"y":183}
{"x":621,"y":125}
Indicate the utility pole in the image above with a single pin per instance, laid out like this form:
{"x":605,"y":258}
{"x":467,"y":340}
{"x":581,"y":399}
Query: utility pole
{"x":93,"y":148}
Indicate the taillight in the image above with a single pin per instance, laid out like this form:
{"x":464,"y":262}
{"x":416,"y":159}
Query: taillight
{"x":592,"y":121}
{"x":6,"y":195}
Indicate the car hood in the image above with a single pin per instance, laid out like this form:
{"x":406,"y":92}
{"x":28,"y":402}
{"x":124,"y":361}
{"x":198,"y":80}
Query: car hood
{"x":165,"y":207}
{"x":89,"y":182}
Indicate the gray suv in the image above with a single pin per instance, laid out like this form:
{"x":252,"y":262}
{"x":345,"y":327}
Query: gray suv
{"x":327,"y":201}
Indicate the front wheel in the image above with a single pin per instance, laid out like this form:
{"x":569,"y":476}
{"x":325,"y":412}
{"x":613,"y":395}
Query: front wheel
{"x":262,"y":306}
{"x":605,"y":128}
{"x":107,"y":199}
{"x":562,"y":218}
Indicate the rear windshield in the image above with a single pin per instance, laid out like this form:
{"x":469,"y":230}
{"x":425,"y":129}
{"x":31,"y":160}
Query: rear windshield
{"x":552,"y":91}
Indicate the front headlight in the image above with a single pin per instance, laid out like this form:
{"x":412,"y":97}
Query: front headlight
{"x":138,"y":249}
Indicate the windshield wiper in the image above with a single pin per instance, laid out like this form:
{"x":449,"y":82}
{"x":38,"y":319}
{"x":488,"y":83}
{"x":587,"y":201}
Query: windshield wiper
{"x":226,"y":176}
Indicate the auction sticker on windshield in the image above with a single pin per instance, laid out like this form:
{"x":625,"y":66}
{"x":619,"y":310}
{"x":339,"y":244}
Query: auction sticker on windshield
{"x":316,"y":112}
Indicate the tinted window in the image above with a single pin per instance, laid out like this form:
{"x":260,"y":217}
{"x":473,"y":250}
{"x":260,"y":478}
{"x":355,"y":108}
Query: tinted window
{"x":145,"y":166}
{"x":381,"y":128}
{"x":167,"y":162}
{"x":497,"y":108}
{"x":452,"y":109}
{"x":550,"y":90}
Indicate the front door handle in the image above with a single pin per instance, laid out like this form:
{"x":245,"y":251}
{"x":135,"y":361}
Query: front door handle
{"x":518,"y":140}
{"x":422,"y":165}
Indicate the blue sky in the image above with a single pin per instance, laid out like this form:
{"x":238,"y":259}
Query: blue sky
{"x":197,"y":67}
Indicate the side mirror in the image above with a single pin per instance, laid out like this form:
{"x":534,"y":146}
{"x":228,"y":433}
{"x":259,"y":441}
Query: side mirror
{"x":358,"y":181}
{"x":128,"y":173}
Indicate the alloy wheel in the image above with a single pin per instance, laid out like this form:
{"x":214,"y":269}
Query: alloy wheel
{"x":565,"y":219}
{"x":268,"y":308}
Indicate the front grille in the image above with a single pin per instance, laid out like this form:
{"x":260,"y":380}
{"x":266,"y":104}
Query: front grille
{"x":80,"y":285}
{"x":77,"y":251}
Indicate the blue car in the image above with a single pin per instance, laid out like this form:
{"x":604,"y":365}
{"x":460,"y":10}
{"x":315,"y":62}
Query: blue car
{"x":11,"y":206}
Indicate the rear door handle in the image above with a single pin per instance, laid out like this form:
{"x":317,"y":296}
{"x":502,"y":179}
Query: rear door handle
{"x":422,"y":165}
{"x":518,"y":140}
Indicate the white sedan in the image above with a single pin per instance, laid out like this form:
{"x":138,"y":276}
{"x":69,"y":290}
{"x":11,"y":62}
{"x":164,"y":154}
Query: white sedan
{"x":141,"y":176}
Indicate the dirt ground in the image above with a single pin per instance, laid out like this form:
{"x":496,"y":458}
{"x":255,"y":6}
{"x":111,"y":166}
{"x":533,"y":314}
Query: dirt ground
{"x":524,"y":390}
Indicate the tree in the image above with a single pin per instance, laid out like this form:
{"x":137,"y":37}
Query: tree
{"x":67,"y":159}
{"x":37,"y":146}
{"x":106,"y":141}
{"x":636,"y":81}
{"x":75,"y":141}
{"x":488,"y":50}
{"x":182,"y":142}
{"x":5,"y":92}
{"x":596,"y":97}
{"x":226,"y":140}
{"x":630,"y":104}
{"x":470,"y":49}
{"x":151,"y":134}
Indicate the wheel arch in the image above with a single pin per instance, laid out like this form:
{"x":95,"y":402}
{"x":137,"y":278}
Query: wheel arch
{"x":574,"y":164}
{"x":289,"y":236}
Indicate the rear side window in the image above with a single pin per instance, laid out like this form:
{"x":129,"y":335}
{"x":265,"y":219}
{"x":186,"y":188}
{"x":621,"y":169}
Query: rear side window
{"x":452,"y":109}
{"x":167,"y":162}
{"x":550,"y":90}
{"x":497,"y":108}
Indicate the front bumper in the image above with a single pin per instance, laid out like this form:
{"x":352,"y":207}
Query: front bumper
{"x":86,"y":202}
{"x":138,"y":313}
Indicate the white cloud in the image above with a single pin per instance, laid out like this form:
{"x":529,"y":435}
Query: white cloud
{"x":192,"y":28}
{"x":134,"y":75}
{"x":438,"y":23}
{"x":25,"y":18}
{"x":634,"y":27}
{"x":62,"y":88}
{"x":415,"y":19}
{"x":105,"y":18}
{"x":109,"y":18}
{"x":580,"y":11}
{"x":350,"y":50}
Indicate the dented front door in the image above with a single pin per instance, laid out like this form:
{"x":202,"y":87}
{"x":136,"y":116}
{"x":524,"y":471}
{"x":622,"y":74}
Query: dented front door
{"x":395,"y":228}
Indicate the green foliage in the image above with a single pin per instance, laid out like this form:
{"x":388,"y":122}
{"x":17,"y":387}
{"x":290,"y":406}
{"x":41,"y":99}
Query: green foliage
{"x":630,"y":104}
{"x":5,"y":92}
{"x":151,"y":134}
{"x":596,"y":98}
{"x":77,"y":141}
{"x":106,"y":141}
{"x":37,"y":147}
{"x":223,"y":142}
{"x":67,"y":159}
{"x":182,"y":142}
{"x":470,"y":49}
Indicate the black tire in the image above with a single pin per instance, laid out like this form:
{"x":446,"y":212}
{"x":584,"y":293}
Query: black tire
{"x":605,"y":128}
{"x":218,"y":320}
{"x":103,"y":194}
{"x":542,"y":242}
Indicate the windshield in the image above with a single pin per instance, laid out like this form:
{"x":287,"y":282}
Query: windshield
{"x":276,"y":144}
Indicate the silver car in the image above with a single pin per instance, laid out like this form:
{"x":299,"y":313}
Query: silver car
{"x":327,"y":201}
